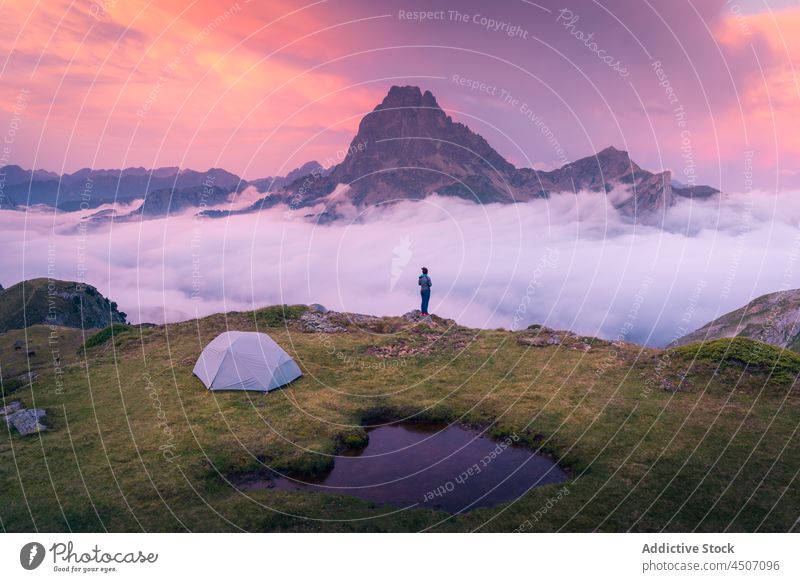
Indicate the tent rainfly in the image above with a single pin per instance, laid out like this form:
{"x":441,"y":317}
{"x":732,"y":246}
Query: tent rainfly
{"x":239,"y":360}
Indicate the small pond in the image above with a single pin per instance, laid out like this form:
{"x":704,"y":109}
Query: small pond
{"x":438,"y":466}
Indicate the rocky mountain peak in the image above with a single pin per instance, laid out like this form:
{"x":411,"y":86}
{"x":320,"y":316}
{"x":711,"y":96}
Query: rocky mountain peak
{"x":612,"y":155}
{"x":408,"y":147}
{"x":608,"y":165}
{"x":404,"y":114}
{"x":408,"y":96}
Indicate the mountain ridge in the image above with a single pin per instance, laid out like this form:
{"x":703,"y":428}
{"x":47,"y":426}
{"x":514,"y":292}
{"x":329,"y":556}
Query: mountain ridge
{"x":90,"y":188}
{"x":407,"y":147}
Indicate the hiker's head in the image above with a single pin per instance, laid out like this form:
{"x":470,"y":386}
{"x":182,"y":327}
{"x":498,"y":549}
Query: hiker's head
{"x":424,"y":270}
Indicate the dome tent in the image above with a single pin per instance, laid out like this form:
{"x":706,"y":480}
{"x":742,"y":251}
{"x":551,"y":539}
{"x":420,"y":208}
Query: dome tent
{"x":239,"y":360}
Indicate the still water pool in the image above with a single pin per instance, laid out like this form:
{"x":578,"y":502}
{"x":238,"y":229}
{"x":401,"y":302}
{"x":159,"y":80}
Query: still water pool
{"x":438,"y":466}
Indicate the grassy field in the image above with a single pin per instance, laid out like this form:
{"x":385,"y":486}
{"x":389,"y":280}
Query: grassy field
{"x":688,"y":439}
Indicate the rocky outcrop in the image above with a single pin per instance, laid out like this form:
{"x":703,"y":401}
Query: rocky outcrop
{"x":25,"y":420}
{"x":317,"y":322}
{"x":416,"y":316}
{"x":773,"y":318}
{"x":427,"y":335}
{"x":541,"y":337}
{"x":54,"y":302}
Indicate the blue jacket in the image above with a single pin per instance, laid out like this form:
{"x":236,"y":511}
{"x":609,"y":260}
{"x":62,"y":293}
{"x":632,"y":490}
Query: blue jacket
{"x":425,"y":283}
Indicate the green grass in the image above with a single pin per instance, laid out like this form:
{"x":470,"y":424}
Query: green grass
{"x":781,"y":365}
{"x":279,"y":315}
{"x":137,"y":443}
{"x":38,"y":348}
{"x":106,"y":334}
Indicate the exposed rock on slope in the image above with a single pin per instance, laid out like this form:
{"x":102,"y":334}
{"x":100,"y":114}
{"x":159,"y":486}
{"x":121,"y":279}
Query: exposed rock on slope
{"x":773,"y":318}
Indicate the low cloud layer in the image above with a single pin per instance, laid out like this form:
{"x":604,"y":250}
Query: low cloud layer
{"x":570,"y":262}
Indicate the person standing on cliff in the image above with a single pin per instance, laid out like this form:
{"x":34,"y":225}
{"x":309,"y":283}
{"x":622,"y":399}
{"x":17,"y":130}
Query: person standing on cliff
{"x":425,"y":285}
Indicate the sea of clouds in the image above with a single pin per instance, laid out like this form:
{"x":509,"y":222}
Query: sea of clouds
{"x":570,"y":262}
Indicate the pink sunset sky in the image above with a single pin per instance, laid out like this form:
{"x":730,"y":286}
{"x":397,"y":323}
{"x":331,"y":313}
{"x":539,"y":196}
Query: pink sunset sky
{"x":706,"y":88}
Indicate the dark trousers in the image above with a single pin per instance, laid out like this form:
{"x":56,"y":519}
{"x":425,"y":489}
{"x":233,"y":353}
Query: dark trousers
{"x":426,"y":296}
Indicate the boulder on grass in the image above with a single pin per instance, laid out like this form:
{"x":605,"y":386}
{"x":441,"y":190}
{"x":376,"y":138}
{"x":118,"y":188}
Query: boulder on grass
{"x":27,"y":421}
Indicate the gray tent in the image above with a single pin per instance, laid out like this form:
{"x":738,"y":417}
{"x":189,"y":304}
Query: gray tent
{"x":239,"y":360}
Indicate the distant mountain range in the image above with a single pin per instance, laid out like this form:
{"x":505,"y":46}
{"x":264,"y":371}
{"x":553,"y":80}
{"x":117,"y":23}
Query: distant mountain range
{"x":406,"y":148}
{"x":93,"y":188}
{"x":96,"y":187}
{"x":773,"y":318}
